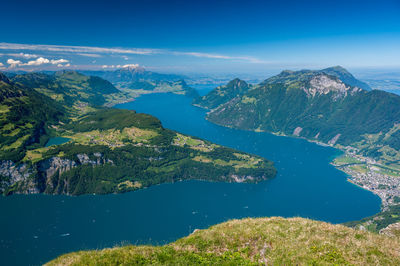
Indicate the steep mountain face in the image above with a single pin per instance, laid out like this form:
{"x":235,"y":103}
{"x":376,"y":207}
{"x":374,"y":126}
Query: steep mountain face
{"x":222,"y":94}
{"x":109,"y":150}
{"x":313,"y":105}
{"x":24,"y":117}
{"x":68,"y":87}
{"x":346,"y":77}
{"x":303,"y":75}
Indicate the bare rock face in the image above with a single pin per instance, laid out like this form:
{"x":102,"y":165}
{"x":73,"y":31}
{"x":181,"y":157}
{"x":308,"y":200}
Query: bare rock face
{"x":100,"y":160}
{"x":334,"y":139}
{"x":39,"y":177}
{"x":297,"y":131}
{"x":241,"y":179}
{"x":54,"y":165}
{"x":324,"y":84}
{"x":84,"y":159}
{"x":393,"y":230}
{"x":12,"y":173}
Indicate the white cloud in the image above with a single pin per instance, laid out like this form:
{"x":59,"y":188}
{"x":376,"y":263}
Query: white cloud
{"x":1,"y":64}
{"x":59,"y":61}
{"x":61,"y":65}
{"x":37,"y":62}
{"x":13,"y":63}
{"x":22,"y":55}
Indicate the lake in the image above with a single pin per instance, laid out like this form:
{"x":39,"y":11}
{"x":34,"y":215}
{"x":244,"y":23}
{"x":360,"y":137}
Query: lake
{"x":37,"y":228}
{"x":56,"y":141}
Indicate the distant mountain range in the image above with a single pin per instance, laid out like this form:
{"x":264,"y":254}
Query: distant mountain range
{"x":133,"y":74}
{"x":325,"y":105}
{"x":139,"y":79}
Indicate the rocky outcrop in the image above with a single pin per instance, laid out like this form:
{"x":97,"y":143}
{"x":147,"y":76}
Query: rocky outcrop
{"x":324,"y":84}
{"x":297,"y":131}
{"x":99,"y":160}
{"x":12,"y":173}
{"x":392,"y":230}
{"x":241,"y":179}
{"x":40,"y":177}
{"x":334,"y":139}
{"x":55,"y":165}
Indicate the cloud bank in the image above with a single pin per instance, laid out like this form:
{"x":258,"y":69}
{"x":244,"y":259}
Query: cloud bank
{"x":37,"y":62}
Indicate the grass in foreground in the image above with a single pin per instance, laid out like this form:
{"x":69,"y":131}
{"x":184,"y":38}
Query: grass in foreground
{"x":256,"y":241}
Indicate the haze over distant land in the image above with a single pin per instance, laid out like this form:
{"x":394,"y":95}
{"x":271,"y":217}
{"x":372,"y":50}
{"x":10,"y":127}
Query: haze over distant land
{"x":201,"y":37}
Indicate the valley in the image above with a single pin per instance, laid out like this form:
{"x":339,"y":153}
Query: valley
{"x":110,"y":150}
{"x":165,"y":132}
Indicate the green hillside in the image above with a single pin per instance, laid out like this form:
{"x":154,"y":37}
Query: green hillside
{"x":313,"y":105}
{"x":68,"y":87}
{"x":222,"y":94}
{"x":25,"y":116}
{"x":275,"y":241}
{"x":321,"y":107}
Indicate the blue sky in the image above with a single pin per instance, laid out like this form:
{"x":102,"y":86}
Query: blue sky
{"x":200,"y":36}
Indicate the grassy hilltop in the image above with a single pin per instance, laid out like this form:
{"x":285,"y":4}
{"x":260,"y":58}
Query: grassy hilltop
{"x":294,"y":241}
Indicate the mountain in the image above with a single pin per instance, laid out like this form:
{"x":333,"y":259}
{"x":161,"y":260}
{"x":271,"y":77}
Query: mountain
{"x":313,"y":105}
{"x":346,"y":77}
{"x":25,"y":116}
{"x":107,"y":150}
{"x":222,"y":94}
{"x":322,"y":107}
{"x":68,"y":87}
{"x":141,"y":81}
{"x":181,"y":87}
{"x":261,"y":241}
{"x":133,"y":74}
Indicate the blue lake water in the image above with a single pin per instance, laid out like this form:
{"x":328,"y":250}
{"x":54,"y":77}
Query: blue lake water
{"x":57,"y":141}
{"x":36,"y":228}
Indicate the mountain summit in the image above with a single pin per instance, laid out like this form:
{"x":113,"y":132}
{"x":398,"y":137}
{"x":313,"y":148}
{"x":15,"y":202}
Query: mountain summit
{"x":346,"y":77}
